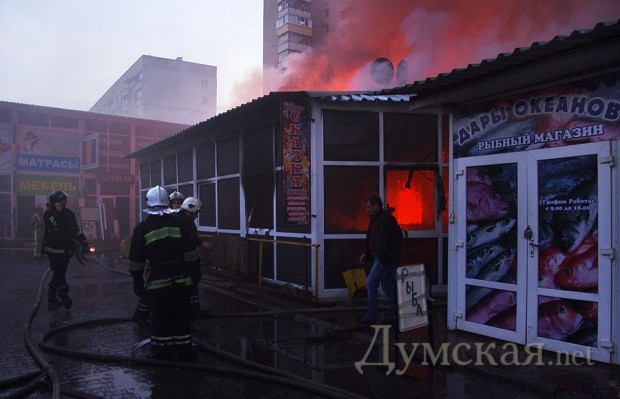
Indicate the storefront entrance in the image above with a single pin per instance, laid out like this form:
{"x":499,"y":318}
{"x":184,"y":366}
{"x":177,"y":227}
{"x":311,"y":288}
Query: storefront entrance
{"x":534,"y":248}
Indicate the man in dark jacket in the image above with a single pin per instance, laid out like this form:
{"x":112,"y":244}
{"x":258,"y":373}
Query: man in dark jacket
{"x":165,"y":242}
{"x":383,"y":243}
{"x":61,"y":230}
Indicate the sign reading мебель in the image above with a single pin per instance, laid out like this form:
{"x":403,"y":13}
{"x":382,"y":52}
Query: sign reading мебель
{"x":43,"y":185}
{"x":296,"y":163}
{"x":411,"y":295}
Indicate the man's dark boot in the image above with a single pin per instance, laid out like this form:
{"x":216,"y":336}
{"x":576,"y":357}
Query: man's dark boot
{"x":53,"y":300}
{"x":142,"y":317}
{"x":64,"y":298}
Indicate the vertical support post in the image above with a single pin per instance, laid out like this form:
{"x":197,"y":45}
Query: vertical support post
{"x":260,"y":263}
{"x":316,"y":273}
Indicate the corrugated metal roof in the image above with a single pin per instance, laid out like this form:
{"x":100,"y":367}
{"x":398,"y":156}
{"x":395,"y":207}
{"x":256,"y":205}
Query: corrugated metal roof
{"x":369,"y":97}
{"x":506,"y":62}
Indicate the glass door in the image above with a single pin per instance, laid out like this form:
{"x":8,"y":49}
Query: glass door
{"x":534,"y":248}
{"x":569,"y":305}
{"x":492,"y":262}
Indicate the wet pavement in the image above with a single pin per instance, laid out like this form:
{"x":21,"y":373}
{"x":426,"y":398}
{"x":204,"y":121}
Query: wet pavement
{"x":256,"y":343}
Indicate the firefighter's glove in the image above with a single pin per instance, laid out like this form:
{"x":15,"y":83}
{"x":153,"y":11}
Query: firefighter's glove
{"x":138,"y":283}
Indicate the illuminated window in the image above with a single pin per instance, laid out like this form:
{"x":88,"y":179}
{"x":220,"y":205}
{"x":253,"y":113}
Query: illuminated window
{"x":411,"y":193}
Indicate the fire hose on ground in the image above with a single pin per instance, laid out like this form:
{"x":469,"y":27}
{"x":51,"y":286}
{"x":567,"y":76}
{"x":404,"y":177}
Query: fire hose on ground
{"x":47,"y":374}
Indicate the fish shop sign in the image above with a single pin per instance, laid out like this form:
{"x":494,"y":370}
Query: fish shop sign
{"x":550,"y":118}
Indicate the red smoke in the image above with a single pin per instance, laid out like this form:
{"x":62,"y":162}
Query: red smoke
{"x":432,"y":36}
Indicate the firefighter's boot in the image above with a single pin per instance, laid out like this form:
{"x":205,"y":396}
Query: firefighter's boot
{"x":53,"y":301}
{"x":63,"y":294}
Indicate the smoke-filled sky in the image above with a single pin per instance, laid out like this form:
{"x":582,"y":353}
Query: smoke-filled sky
{"x":435,"y":37}
{"x":67,"y":53}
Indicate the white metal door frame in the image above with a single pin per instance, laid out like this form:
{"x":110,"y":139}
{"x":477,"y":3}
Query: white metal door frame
{"x":526,"y":331}
{"x":518,"y":335}
{"x":602,"y":351}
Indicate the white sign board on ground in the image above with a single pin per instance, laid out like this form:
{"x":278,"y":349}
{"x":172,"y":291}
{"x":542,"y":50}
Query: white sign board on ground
{"x":411,"y":296}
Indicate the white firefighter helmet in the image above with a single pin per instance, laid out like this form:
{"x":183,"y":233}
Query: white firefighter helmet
{"x":192,"y":205}
{"x":176,"y":196}
{"x":157,"y":196}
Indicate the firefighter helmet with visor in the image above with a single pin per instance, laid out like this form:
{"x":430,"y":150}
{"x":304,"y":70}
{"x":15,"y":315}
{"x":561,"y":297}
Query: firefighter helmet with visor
{"x":176,"y":196}
{"x":157,"y":196}
{"x":192,"y":205}
{"x":57,"y":196}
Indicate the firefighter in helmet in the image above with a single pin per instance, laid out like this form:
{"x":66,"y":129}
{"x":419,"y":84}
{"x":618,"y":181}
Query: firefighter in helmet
{"x":164,"y":241}
{"x":189,"y":212}
{"x":61,"y":235}
{"x":176,"y":199}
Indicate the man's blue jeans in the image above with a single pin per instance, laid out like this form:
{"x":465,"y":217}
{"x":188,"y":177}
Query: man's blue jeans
{"x":385,"y":277}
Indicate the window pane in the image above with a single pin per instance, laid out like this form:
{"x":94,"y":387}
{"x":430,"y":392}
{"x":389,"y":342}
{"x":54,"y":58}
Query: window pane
{"x":294,"y":263}
{"x":155,"y":173}
{"x":258,"y":178}
{"x":412,"y":195}
{"x":421,"y":250}
{"x":206,"y":193}
{"x":145,"y":176}
{"x":346,"y":190}
{"x":340,"y":256}
{"x":186,"y":189}
{"x":228,"y":203}
{"x":185,"y":161}
{"x":259,"y":200}
{"x":351,"y":136}
{"x":410,"y":137}
{"x":228,"y":157}
{"x":170,"y":170}
{"x":205,"y":161}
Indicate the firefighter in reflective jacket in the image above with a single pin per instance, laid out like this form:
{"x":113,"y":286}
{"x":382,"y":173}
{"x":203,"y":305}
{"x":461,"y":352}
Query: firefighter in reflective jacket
{"x":189,"y":213}
{"x":164,"y":241}
{"x":61,"y":234}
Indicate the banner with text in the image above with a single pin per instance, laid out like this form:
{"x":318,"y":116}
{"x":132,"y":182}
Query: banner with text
{"x":581,"y":112}
{"x":44,"y":185}
{"x":296,"y":163}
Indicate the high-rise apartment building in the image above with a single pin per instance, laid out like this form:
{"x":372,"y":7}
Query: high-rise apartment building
{"x":287,"y":26}
{"x":295,"y":26}
{"x":163,"y":89}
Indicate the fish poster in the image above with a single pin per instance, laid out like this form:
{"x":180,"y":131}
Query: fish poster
{"x":567,"y":246}
{"x":582,"y":112}
{"x":491,"y":245}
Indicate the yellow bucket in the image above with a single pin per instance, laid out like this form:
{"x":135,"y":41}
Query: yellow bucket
{"x":356,"y":282}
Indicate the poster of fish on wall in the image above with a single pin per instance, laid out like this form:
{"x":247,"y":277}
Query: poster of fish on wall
{"x":567,"y":231}
{"x":491,"y":242}
{"x":568,"y":247}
